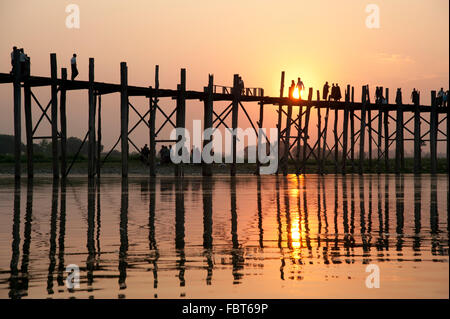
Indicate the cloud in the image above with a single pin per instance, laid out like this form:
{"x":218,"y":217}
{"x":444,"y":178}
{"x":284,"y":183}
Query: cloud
{"x":392,"y":58}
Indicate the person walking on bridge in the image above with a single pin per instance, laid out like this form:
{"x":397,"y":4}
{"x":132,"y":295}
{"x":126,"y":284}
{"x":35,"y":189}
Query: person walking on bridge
{"x":326,"y":87}
{"x":338,"y":93}
{"x":300,"y":85}
{"x":73,"y":65}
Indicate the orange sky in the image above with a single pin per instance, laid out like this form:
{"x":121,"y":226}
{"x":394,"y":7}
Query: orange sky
{"x":317,"y":40}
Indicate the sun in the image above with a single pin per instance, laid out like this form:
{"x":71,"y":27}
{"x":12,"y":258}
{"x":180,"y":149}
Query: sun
{"x":296,"y":94}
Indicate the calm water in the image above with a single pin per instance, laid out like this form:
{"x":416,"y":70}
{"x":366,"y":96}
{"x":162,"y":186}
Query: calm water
{"x":248,"y":237}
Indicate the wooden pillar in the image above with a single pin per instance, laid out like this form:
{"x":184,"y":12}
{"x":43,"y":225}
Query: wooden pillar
{"x":369,"y":130}
{"x":54,"y":113}
{"x":345,"y":131}
{"x":319,"y":138}
{"x":261,"y":139}
{"x":153,"y":102}
{"x":448,"y":142}
{"x":305,"y":130}
{"x":17,"y":114}
{"x":336,"y":138}
{"x":362,"y":130}
{"x":208,"y":119}
{"x":417,"y":139}
{"x":380,"y":136}
{"x":99,"y":135}
{"x":63,"y":122}
{"x":433,"y":133}
{"x":91,"y":136}
{"x":280,"y":117}
{"x":399,"y":136}
{"x":324,"y":135}
{"x":124,"y":115}
{"x":287,"y":138}
{"x":386,"y":134}
{"x":28,"y":127}
{"x":299,"y":138}
{"x":234,"y":120}
{"x":352,"y":130}
{"x":181,"y":113}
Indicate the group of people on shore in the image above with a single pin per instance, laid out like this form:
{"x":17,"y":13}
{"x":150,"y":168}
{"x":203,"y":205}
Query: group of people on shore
{"x":164,"y":154}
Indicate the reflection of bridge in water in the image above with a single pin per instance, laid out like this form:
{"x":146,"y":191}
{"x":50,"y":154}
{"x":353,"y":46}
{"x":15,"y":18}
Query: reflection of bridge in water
{"x":313,"y":226}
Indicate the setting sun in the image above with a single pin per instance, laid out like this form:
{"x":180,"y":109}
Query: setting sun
{"x":296,"y":93}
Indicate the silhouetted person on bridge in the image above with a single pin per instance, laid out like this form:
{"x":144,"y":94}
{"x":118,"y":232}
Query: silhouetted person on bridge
{"x":378,"y":95}
{"x":291,"y":90}
{"x":12,"y":59}
{"x":241,"y":86}
{"x":300,"y":85}
{"x":73,"y":65}
{"x":440,"y":97}
{"x":415,"y":96}
{"x":338,"y":93}
{"x":398,"y":96}
{"x":445,"y":99}
{"x":326,"y":87}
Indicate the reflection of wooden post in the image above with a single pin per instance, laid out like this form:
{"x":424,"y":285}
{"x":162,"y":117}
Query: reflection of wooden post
{"x":433,"y":133}
{"x":260,"y":135}
{"x":417,"y":139}
{"x":280,"y":116}
{"x":63,"y":121}
{"x":234,"y":119}
{"x":305,"y":134}
{"x":386,"y":134}
{"x":153,"y":101}
{"x":399,"y":157}
{"x":362,"y":130}
{"x":28,"y":127}
{"x":54,"y":112}
{"x":345,"y":131}
{"x":207,"y":120}
{"x":124,"y":115}
{"x":181,"y":113}
{"x":91,"y":140}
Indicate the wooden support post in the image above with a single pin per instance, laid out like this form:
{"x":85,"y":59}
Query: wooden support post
{"x":305,"y":130}
{"x":17,"y":114}
{"x":345,"y":131}
{"x":280,"y":117}
{"x":324,"y":147}
{"x":386,"y":134}
{"x":63,"y":122}
{"x":287,"y":136}
{"x":319,"y":139}
{"x":299,"y":138}
{"x":99,"y":135}
{"x":28,"y":127}
{"x":399,"y":146}
{"x":54,"y":112}
{"x":362,"y":130}
{"x":352,"y":130}
{"x":91,"y":136}
{"x":261,"y":139}
{"x":448,"y":138}
{"x":234,"y":119}
{"x":181,"y":113}
{"x":153,"y":102}
{"x":369,"y":131}
{"x":207,"y":120}
{"x":124,"y":115}
{"x":433,"y":133}
{"x":417,"y":138}
{"x":336,"y":138}
{"x":380,"y":137}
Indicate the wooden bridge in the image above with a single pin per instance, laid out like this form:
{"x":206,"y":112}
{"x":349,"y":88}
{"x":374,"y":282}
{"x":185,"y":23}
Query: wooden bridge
{"x":294,"y":123}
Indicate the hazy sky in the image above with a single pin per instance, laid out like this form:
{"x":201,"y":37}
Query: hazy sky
{"x":318,"y":40}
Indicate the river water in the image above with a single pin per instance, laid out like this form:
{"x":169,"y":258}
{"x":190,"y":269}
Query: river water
{"x":223,"y":237}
